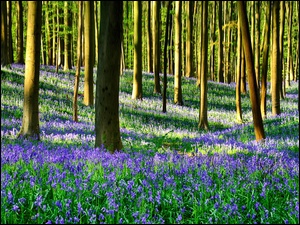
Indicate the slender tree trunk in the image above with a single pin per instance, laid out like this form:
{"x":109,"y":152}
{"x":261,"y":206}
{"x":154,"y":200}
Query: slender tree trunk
{"x":213,"y":39}
{"x":254,"y":95}
{"x":165,"y":58}
{"x":4,"y":45}
{"x":289,"y":69}
{"x":67,"y":42}
{"x":220,"y":50}
{"x":156,"y":44}
{"x":177,"y":44}
{"x":275,"y":80}
{"x":30,"y":123}
{"x":79,"y":58}
{"x":137,"y":91}
{"x":189,"y":39}
{"x":171,"y":47}
{"x":20,"y":47}
{"x":281,"y":34}
{"x":107,"y":125}
{"x":9,"y":33}
{"x":257,"y":43}
{"x":264,"y":70}
{"x":149,"y":39}
{"x":54,"y":32}
{"x":89,"y":53}
{"x":238,"y":103}
{"x":96,"y":31}
{"x":203,"y":122}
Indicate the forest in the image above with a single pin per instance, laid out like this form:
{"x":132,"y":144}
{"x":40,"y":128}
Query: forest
{"x":135,"y":112}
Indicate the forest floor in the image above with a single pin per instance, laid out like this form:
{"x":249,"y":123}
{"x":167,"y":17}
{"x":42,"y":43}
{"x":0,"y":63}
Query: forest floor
{"x":169,"y":171}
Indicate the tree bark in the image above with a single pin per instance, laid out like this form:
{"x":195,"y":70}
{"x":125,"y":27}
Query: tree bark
{"x":149,"y":39}
{"x":275,"y":80}
{"x":89,"y":53}
{"x":239,"y":117}
{"x":137,"y":91}
{"x":79,"y":58}
{"x":67,"y":42}
{"x":4,"y":45}
{"x":177,"y":45}
{"x":203,"y":122}
{"x":30,"y":123}
{"x":220,"y":50}
{"x":213,"y":39}
{"x":254,"y":95}
{"x":189,"y":39}
{"x":156,"y":44}
{"x":20,"y":47}
{"x":107,"y":124}
{"x":9,"y":33}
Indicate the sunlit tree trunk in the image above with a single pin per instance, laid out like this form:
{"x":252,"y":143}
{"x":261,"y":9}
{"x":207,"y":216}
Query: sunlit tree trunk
{"x":213,"y":39}
{"x":203,"y":122}
{"x":149,"y":39}
{"x":257,"y":42}
{"x":264,"y":69}
{"x":171,"y":42}
{"x":20,"y":47}
{"x":89,"y":53}
{"x":280,"y":65}
{"x":67,"y":42}
{"x":79,"y":58}
{"x":156,"y":44}
{"x":220,"y":50}
{"x":275,"y":80}
{"x":254,"y":95}
{"x":177,"y":45}
{"x":239,"y":117}
{"x":289,"y":69}
{"x":30,"y":123}
{"x":137,"y":92}
{"x":54,"y":33}
{"x":107,"y":124}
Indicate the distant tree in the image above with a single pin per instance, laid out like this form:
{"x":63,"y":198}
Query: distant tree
{"x":177,"y":44}
{"x":281,"y":44}
{"x":212,"y":39}
{"x":264,"y":69}
{"x":137,"y":91}
{"x":89,"y":53}
{"x":257,"y":42}
{"x":4,"y":45}
{"x":220,"y":50}
{"x":254,"y":95}
{"x":289,"y":69}
{"x":275,"y":80}
{"x":156,"y":44}
{"x":9,"y":33}
{"x":30,"y":123}
{"x":79,"y":58}
{"x":107,"y":124}
{"x":203,"y":122}
{"x":20,"y":47}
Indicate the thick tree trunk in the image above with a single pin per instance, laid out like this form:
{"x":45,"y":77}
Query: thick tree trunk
{"x":30,"y":123}
{"x":137,"y":92}
{"x":107,"y":124}
{"x":203,"y":122}
{"x":254,"y":95}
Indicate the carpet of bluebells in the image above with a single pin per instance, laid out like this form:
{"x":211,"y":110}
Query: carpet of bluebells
{"x":168,"y":172}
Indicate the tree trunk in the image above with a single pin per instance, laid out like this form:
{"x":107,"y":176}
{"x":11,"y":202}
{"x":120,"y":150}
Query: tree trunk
{"x":89,"y":53}
{"x":156,"y":44}
{"x":20,"y":47}
{"x":137,"y":92}
{"x":220,"y":50}
{"x":165,"y":58}
{"x":213,"y":39}
{"x":79,"y":58}
{"x":4,"y":45}
{"x":275,"y":80}
{"x":171,"y":47}
{"x":257,"y":43}
{"x":67,"y":42}
{"x":289,"y":69}
{"x":107,"y":124}
{"x":149,"y":39}
{"x":264,"y":69}
{"x":9,"y":33}
{"x":203,"y":122}
{"x":239,"y":117}
{"x":30,"y":124}
{"x":177,"y":45}
{"x":280,"y":65}
{"x":189,"y":40}
{"x":254,"y":95}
